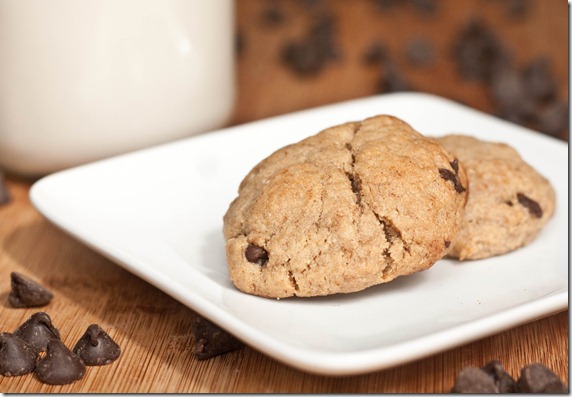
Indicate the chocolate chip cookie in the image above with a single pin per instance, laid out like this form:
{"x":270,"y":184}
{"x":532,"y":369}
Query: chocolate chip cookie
{"x":353,"y":206}
{"x":509,"y":202}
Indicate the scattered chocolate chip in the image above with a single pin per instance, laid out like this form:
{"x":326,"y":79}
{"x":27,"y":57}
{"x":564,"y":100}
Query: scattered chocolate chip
{"x":526,"y":97}
{"x":509,"y":203}
{"x":273,"y":14}
{"x":532,"y":206}
{"x":17,"y":357}
{"x":96,"y":347}
{"x":256,"y":254}
{"x":384,"y":5}
{"x":425,"y":7}
{"x":210,"y":340}
{"x":309,"y":55}
{"x":310,"y":3}
{"x":38,"y":330}
{"x":449,"y":175}
{"x":539,"y":82}
{"x":60,"y":366}
{"x":238,"y":43}
{"x":478,"y":50}
{"x":392,"y":80}
{"x":26,"y":292}
{"x":474,"y":380}
{"x":536,"y":378}
{"x":4,"y":192}
{"x":504,"y":382}
{"x":553,"y":118}
{"x":447,"y":243}
{"x":375,"y":53}
{"x":516,"y":8}
{"x":492,"y":378}
{"x":419,"y":52}
{"x":508,"y":92}
{"x":302,"y":58}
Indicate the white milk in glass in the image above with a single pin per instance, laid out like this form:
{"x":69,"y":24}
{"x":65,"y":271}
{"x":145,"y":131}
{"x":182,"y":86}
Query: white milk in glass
{"x":81,"y":80}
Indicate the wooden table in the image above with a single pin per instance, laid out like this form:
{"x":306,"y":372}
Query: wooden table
{"x":154,"y":329}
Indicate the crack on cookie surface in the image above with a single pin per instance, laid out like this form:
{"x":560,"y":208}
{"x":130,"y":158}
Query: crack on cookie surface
{"x":293,"y":281}
{"x":392,"y":235}
{"x":390,"y":231}
{"x":355,"y":182}
{"x":389,"y":263}
{"x":353,"y":176}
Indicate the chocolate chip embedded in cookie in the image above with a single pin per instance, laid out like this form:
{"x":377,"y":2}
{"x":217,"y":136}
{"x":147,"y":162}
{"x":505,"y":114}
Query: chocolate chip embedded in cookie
{"x":509,"y":202}
{"x":353,"y":206}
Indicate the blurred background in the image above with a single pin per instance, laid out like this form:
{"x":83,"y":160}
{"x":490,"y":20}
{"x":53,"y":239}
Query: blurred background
{"x":508,"y":58}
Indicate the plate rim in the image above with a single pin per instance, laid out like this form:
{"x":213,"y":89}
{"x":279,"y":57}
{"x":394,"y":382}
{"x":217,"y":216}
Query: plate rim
{"x":318,"y":363}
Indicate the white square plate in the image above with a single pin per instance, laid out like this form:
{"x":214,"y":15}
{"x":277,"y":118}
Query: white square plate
{"x":158,"y":213}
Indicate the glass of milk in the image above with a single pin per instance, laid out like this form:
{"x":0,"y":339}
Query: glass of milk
{"x":82,"y":80}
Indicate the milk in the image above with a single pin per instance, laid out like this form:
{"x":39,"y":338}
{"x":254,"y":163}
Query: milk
{"x":81,"y":80}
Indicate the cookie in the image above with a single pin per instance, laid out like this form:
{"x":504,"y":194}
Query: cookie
{"x":353,"y":206}
{"x":509,"y":202}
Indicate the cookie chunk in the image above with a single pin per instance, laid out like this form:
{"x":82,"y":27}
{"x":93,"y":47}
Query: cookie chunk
{"x":509,"y":202}
{"x":356,"y":205}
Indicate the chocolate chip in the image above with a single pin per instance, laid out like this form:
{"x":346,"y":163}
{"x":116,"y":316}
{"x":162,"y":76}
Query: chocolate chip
{"x":455,"y":166}
{"x":273,"y":14}
{"x":536,"y":378}
{"x":384,"y":5}
{"x":540,"y":84}
{"x":447,"y":243}
{"x":508,"y":90}
{"x":532,"y":206}
{"x":504,"y":382}
{"x":38,"y":331}
{"x":96,"y":347}
{"x":16,"y":356}
{"x":424,"y":6}
{"x":392,"y":80}
{"x":553,"y":118}
{"x":310,"y":54}
{"x":256,"y":254}
{"x":60,"y":366}
{"x":239,"y":42}
{"x":478,"y":50}
{"x":4,"y":192}
{"x":26,"y":292}
{"x":310,"y":3}
{"x":210,"y":340}
{"x":449,"y":175}
{"x":302,"y":58}
{"x":419,"y":52}
{"x":516,"y":8}
{"x":375,"y":53}
{"x":474,"y":380}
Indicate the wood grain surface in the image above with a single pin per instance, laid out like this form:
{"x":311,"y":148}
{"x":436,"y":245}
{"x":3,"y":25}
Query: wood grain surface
{"x":154,"y":330}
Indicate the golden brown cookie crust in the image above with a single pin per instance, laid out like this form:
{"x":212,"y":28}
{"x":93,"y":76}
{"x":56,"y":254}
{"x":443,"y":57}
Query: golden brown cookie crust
{"x":509,"y":201}
{"x":356,"y":205}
